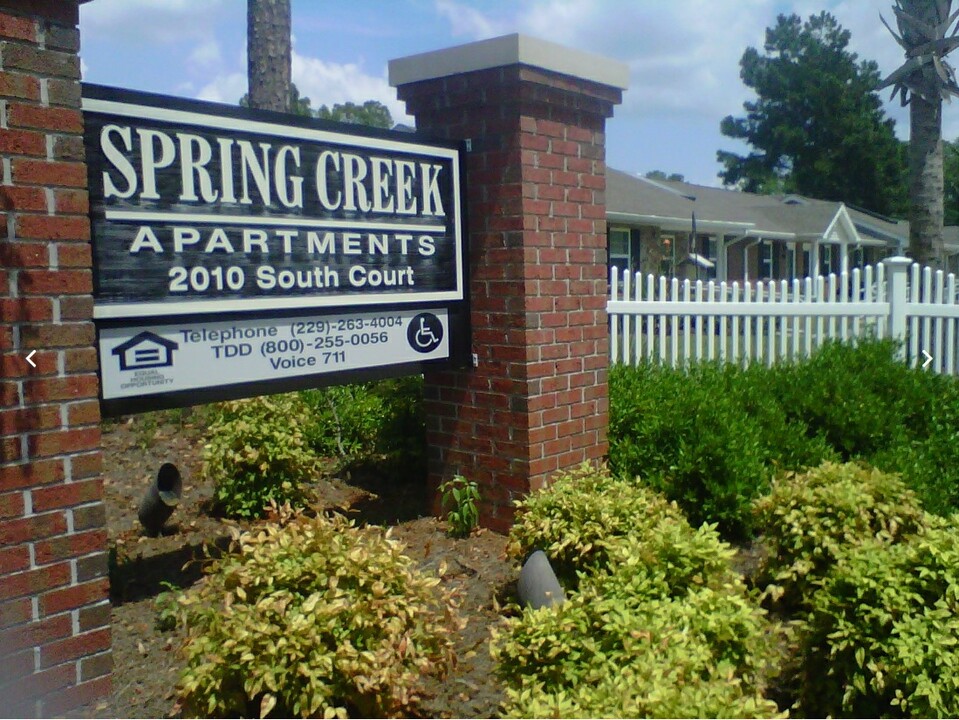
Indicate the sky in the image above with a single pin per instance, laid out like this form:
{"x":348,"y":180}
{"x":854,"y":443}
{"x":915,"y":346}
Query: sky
{"x":683,"y":56}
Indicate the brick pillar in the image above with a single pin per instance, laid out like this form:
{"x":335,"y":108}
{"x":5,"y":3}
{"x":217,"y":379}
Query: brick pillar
{"x":535,"y":115}
{"x":54,"y":607}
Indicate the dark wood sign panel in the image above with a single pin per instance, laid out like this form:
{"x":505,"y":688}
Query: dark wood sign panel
{"x":203,"y":212}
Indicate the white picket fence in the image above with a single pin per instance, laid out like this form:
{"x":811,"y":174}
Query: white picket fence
{"x":671,"y":322}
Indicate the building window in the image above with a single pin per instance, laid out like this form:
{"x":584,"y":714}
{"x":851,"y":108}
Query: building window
{"x":620,"y":255}
{"x":707,"y":247}
{"x":828,"y":259}
{"x":768,"y":257}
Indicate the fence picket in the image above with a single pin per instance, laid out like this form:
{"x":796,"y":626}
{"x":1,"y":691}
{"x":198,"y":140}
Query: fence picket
{"x":914,"y":321}
{"x":627,"y":323}
{"x":950,"y":347}
{"x":937,"y":349}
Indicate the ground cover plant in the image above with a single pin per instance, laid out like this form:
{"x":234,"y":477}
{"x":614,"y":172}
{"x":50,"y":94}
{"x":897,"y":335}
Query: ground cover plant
{"x":313,"y":616}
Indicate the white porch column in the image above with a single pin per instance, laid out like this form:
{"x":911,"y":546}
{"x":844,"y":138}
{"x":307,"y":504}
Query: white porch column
{"x":813,"y":269}
{"x":721,"y":261}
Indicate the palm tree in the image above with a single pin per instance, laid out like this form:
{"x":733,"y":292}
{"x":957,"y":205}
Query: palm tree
{"x":922,"y":82}
{"x":269,"y":54}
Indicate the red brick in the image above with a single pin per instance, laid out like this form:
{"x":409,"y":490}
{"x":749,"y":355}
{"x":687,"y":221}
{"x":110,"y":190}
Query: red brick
{"x":41,"y":684}
{"x":74,"y":255}
{"x":56,"y":601}
{"x":36,"y":633}
{"x":71,"y":202}
{"x":9,"y":449}
{"x":84,"y":413}
{"x":63,"y":92}
{"x":31,"y":309}
{"x":15,"y":612}
{"x":67,"y":494}
{"x":55,"y":282}
{"x":11,"y":505}
{"x":18,"y":28}
{"x":32,"y":528}
{"x":96,"y":666}
{"x":59,"y":174}
{"x":70,"y":546}
{"x":47,"y":63}
{"x":78,"y":307}
{"x":69,"y":388}
{"x":34,"y":582}
{"x":25,"y":87}
{"x":15,"y":364}
{"x":52,"y":227}
{"x":22,"y":420}
{"x":20,"y":142}
{"x":50,"y":335}
{"x":95,"y":616}
{"x":33,"y":474}
{"x":23,"y":199}
{"x":14,"y":559}
{"x":89,"y":516}
{"x":24,"y":255}
{"x":84,"y":466}
{"x":63,"y":441}
{"x":77,"y":696}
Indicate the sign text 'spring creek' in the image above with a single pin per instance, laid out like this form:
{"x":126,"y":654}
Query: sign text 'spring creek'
{"x":261,"y":172}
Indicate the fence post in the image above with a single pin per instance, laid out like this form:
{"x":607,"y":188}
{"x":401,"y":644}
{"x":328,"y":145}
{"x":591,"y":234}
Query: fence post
{"x":896,"y":277}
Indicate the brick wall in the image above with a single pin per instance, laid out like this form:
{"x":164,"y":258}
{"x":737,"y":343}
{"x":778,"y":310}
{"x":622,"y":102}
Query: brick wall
{"x":54,"y":611}
{"x":537,"y":402}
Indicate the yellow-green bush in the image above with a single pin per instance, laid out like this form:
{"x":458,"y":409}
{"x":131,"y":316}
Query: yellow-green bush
{"x":883,"y":636}
{"x":659,"y":627}
{"x":314,"y":618}
{"x":809,"y":519}
{"x":581,"y":515}
{"x":257,"y":452}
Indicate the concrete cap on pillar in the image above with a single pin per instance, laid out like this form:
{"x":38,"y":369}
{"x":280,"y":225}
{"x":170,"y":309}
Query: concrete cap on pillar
{"x":512,"y":49}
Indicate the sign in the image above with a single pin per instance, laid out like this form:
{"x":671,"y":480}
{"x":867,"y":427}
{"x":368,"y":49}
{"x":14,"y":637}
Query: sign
{"x":203,"y":214}
{"x":149,"y":359}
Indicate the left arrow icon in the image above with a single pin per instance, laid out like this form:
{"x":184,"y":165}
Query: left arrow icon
{"x":30,"y":358}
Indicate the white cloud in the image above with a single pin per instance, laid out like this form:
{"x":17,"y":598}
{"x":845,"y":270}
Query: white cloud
{"x":225,"y":88}
{"x":467,"y":21}
{"x":326,"y":83}
{"x":205,"y":55}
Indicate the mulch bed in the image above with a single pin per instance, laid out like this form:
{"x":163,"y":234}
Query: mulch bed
{"x":146,"y":661}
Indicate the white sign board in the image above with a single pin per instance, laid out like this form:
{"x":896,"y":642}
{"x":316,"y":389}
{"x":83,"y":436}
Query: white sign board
{"x":139,"y":361}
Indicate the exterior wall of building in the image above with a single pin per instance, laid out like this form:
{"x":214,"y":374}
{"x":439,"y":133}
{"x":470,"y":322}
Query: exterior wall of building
{"x":54,"y":607}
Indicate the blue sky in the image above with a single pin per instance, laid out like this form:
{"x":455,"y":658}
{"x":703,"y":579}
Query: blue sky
{"x":683,"y":56}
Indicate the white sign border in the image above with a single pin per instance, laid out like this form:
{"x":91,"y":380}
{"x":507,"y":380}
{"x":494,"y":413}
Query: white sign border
{"x":104,"y":311}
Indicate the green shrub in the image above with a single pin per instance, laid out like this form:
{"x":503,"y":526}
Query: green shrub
{"x":460,"y":496}
{"x":856,"y":396}
{"x":596,"y":656}
{"x":257,"y":453}
{"x":881,"y":640}
{"x":660,"y":626}
{"x":314,"y":618}
{"x":580,"y":516}
{"x":809,"y":519}
{"x":927,"y":456}
{"x":372,"y":421}
{"x":689,"y":435}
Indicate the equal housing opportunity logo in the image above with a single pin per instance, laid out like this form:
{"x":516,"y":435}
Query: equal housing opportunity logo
{"x":146,"y":350}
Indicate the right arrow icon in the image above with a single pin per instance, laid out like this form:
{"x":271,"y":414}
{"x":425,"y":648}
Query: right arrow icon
{"x":928,"y":359}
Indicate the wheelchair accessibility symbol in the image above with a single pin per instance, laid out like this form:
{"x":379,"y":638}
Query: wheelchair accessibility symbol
{"x":425,"y":332}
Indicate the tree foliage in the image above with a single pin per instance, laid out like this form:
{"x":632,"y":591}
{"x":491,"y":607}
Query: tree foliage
{"x":660,"y":175}
{"x":372,"y":113}
{"x":817,"y":126}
